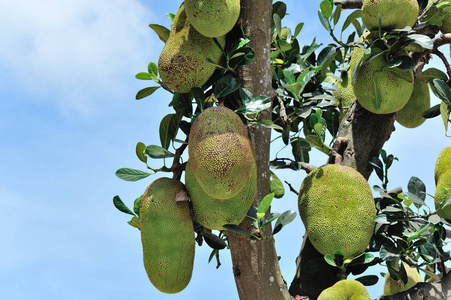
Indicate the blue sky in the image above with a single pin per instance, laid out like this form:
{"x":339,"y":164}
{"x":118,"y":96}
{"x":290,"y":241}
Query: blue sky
{"x":68,"y":121}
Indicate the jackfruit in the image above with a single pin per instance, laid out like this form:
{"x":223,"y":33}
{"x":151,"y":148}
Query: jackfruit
{"x":443,"y":163}
{"x":410,"y":115}
{"x":338,"y":211}
{"x":345,"y":290}
{"x":446,"y":23}
{"x":214,"y":213}
{"x":440,"y":196}
{"x":182,"y":63}
{"x":393,"y":86}
{"x":213,"y":18}
{"x":167,"y":236}
{"x":392,"y":286}
{"x":395,"y":14}
{"x":220,"y":152}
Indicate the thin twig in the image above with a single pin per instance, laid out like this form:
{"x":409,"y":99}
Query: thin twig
{"x":291,"y":188}
{"x":445,"y":61}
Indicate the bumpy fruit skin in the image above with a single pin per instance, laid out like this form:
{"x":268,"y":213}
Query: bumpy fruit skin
{"x":441,"y":197}
{"x":394,"y":90}
{"x":345,"y":290}
{"x":220,"y":152}
{"x":410,"y":115}
{"x":337,"y":208}
{"x":214,"y":213}
{"x":446,"y":24}
{"x":182,"y":63}
{"x":167,"y":236}
{"x":395,"y":14}
{"x":213,"y":18}
{"x":392,"y":286}
{"x":443,"y":163}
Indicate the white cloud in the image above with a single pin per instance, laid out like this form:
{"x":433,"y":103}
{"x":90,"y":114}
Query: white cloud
{"x":73,"y":53}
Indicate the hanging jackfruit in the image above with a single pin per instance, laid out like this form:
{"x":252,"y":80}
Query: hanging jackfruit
{"x":392,"y":286}
{"x":443,"y":180}
{"x":345,"y":290}
{"x":395,"y":14}
{"x":411,"y":115}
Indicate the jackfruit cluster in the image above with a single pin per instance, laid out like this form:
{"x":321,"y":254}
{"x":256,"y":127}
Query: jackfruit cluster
{"x":411,"y":115}
{"x":443,"y":180}
{"x":183,"y":62}
{"x":392,"y":286}
{"x":345,"y":290}
{"x":167,"y":236}
{"x":338,"y":211}
{"x":395,"y":14}
{"x":221,"y":175}
{"x":213,"y":18}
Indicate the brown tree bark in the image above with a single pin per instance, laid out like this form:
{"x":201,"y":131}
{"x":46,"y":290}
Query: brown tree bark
{"x":255,"y":263}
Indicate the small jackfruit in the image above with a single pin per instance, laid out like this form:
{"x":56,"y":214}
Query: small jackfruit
{"x":345,"y":290}
{"x":182,"y":63}
{"x":440,"y":196}
{"x":443,"y":163}
{"x":167,"y":236}
{"x":394,"y":86}
{"x":337,"y":208}
{"x":410,"y":115}
{"x":214,"y":213}
{"x":220,"y":152}
{"x":213,"y":18}
{"x":392,"y":286}
{"x":395,"y":14}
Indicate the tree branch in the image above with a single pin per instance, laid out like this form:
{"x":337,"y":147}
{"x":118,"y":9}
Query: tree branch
{"x":445,"y":61}
{"x":349,"y":4}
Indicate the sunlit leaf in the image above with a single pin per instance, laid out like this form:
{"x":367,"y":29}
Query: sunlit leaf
{"x":161,"y":31}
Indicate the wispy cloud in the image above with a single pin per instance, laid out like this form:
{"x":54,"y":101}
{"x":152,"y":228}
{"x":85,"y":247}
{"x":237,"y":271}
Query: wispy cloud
{"x":75,"y":54}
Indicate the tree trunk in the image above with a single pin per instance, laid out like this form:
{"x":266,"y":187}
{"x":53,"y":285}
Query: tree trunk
{"x":255,"y":263}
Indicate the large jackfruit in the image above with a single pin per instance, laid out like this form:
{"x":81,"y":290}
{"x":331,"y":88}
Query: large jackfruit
{"x":337,"y":208}
{"x":214,"y":213}
{"x":345,"y":290}
{"x":182,"y":63}
{"x":393,"y":86}
{"x":167,"y":236}
{"x":443,"y":180}
{"x":395,"y":14}
{"x":220,"y":152}
{"x":213,"y":18}
{"x":410,"y":115}
{"x":392,"y":286}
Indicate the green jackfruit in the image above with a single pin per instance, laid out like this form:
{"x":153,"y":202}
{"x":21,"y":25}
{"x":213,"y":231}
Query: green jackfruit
{"x":410,"y":115}
{"x":345,"y":290}
{"x":446,"y":23}
{"x":167,"y":236}
{"x":220,"y":152}
{"x":392,"y":286}
{"x":182,"y":63}
{"x":337,"y":208}
{"x":395,"y":14}
{"x":394,"y":86}
{"x":214,"y":213}
{"x":443,"y":163}
{"x":440,"y":196}
{"x":213,"y":18}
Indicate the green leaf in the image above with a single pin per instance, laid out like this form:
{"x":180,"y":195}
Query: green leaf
{"x":214,"y":241}
{"x":199,"y":96}
{"x":238,"y":229}
{"x":298,"y":29}
{"x":388,"y":253}
{"x":277,"y":23}
{"x":254,"y":106}
{"x":268,"y":124}
{"x":445,"y":111}
{"x":417,"y":187}
{"x":368,"y":280}
{"x":265,"y":203}
{"x":289,"y":76}
{"x":225,"y":86}
{"x":276,"y":186}
{"x":432,"y":73}
{"x":284,"y":219}
{"x":332,"y":117}
{"x":324,"y":21}
{"x":330,"y":260}
{"x":143,"y":76}
{"x":421,"y":40}
{"x":169,"y":126}
{"x":280,"y":9}
{"x":161,"y":31}
{"x":121,"y":206}
{"x":325,"y":56}
{"x":351,"y":18}
{"x":377,"y":98}
{"x":326,"y":8}
{"x":135,"y":222}
{"x":146,"y":92}
{"x":441,"y":90}
{"x":140,"y":148}
{"x":152,"y":68}
{"x":337,"y":14}
{"x":136,"y":205}
{"x":413,"y":235}
{"x":128,"y":174}
{"x":432,"y":112}
{"x":155,"y":151}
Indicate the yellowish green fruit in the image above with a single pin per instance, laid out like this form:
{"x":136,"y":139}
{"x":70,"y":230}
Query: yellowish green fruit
{"x":337,"y":208}
{"x":446,"y":24}
{"x":182,"y":63}
{"x":392,"y":286}
{"x":214,"y":213}
{"x":410,"y":115}
{"x":393,"y":86}
{"x":220,"y":152}
{"x":345,"y":290}
{"x":167,"y":236}
{"x":395,"y":14}
{"x":441,"y":196}
{"x":443,"y":163}
{"x":213,"y":18}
